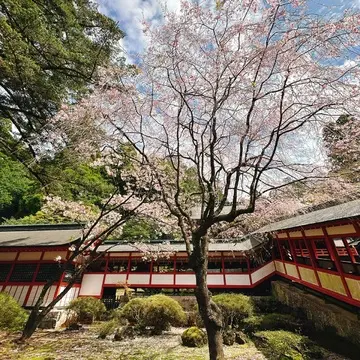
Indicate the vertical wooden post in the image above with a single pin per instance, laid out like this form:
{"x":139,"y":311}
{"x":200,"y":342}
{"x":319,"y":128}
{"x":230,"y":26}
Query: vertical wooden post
{"x":223,"y":267}
{"x":332,"y":249}
{"x":293,"y":254}
{"x":311,"y":256}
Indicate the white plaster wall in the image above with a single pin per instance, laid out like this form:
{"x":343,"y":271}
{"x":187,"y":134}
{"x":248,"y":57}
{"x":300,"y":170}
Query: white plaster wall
{"x":162,"y":279}
{"x":115,"y":278}
{"x":139,"y":279}
{"x":71,"y":295}
{"x":217,"y":279}
{"x":263,"y":272}
{"x":185,"y":279}
{"x":237,"y":279}
{"x":91,"y":285}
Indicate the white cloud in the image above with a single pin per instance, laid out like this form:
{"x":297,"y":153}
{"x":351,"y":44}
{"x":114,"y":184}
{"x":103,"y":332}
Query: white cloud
{"x":130,"y":14}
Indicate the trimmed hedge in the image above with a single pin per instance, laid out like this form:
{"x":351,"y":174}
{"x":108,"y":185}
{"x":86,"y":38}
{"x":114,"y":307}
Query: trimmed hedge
{"x":234,"y":307}
{"x":193,"y":337}
{"x":87,"y":308}
{"x":12,"y":316}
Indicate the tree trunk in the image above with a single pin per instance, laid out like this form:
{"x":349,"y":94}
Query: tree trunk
{"x":209,"y":311}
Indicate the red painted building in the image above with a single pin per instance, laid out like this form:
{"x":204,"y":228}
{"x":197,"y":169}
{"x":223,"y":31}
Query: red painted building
{"x":319,"y":250}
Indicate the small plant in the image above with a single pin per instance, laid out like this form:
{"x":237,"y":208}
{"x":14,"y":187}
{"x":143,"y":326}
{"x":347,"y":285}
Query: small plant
{"x":193,"y":337}
{"x":87,"y":308}
{"x":234,"y":307}
{"x":107,"y":328}
{"x":12,"y":316}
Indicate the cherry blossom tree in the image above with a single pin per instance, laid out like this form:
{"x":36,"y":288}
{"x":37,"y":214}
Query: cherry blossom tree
{"x":343,"y":146}
{"x":238,"y":92}
{"x":137,"y":199}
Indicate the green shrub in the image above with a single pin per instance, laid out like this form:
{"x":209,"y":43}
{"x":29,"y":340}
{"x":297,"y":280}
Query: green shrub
{"x":134,"y":311}
{"x":234,"y":308}
{"x":162,"y":311}
{"x":281,"y":344}
{"x":271,"y":322}
{"x":157,"y":312}
{"x":12,"y":316}
{"x":107,"y":328}
{"x":87,"y":308}
{"x":193,"y":337}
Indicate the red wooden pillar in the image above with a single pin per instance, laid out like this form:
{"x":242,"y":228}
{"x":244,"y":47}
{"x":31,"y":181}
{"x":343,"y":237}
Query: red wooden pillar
{"x":311,"y":256}
{"x":174,"y":279}
{"x":151,"y":270}
{"x":105,"y":273}
{"x":223,"y":267}
{"x":128,"y":267}
{"x":248,"y":266}
{"x":281,"y":254}
{"x":348,"y":249}
{"x":332,"y":249}
{"x":293,"y":254}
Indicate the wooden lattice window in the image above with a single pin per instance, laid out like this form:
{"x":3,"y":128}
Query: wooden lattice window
{"x":4,"y":271}
{"x":48,"y":272}
{"x":23,"y":273}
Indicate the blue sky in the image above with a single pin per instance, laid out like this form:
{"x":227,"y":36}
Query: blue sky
{"x":130,"y":14}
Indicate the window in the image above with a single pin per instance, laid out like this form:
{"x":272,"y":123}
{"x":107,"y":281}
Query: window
{"x":351,"y":260}
{"x":118,"y":265}
{"x":23,"y":273}
{"x":97,"y":266}
{"x":323,"y":258}
{"x":139,"y":265}
{"x":48,"y":272}
{"x":302,"y":253}
{"x":163,"y":266}
{"x":234,"y":265}
{"x":285,"y":249}
{"x":214,"y":265}
{"x":4,"y":271}
{"x":182,"y":265}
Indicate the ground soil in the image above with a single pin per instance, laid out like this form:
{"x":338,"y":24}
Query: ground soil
{"x":84,"y":345}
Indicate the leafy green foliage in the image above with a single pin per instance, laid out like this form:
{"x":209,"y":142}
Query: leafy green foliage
{"x":12,"y":316}
{"x":79,"y":182}
{"x":50,"y":51}
{"x":234,"y":307}
{"x":86,"y":307}
{"x":157,"y":312}
{"x":193,"y":337}
{"x":134,"y":311}
{"x":140,"y":229}
{"x":20,"y":195}
{"x":163,"y":311}
{"x":286,"y":345}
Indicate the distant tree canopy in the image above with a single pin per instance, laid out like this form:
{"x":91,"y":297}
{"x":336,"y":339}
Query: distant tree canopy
{"x":50,"y":52}
{"x":20,"y":194}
